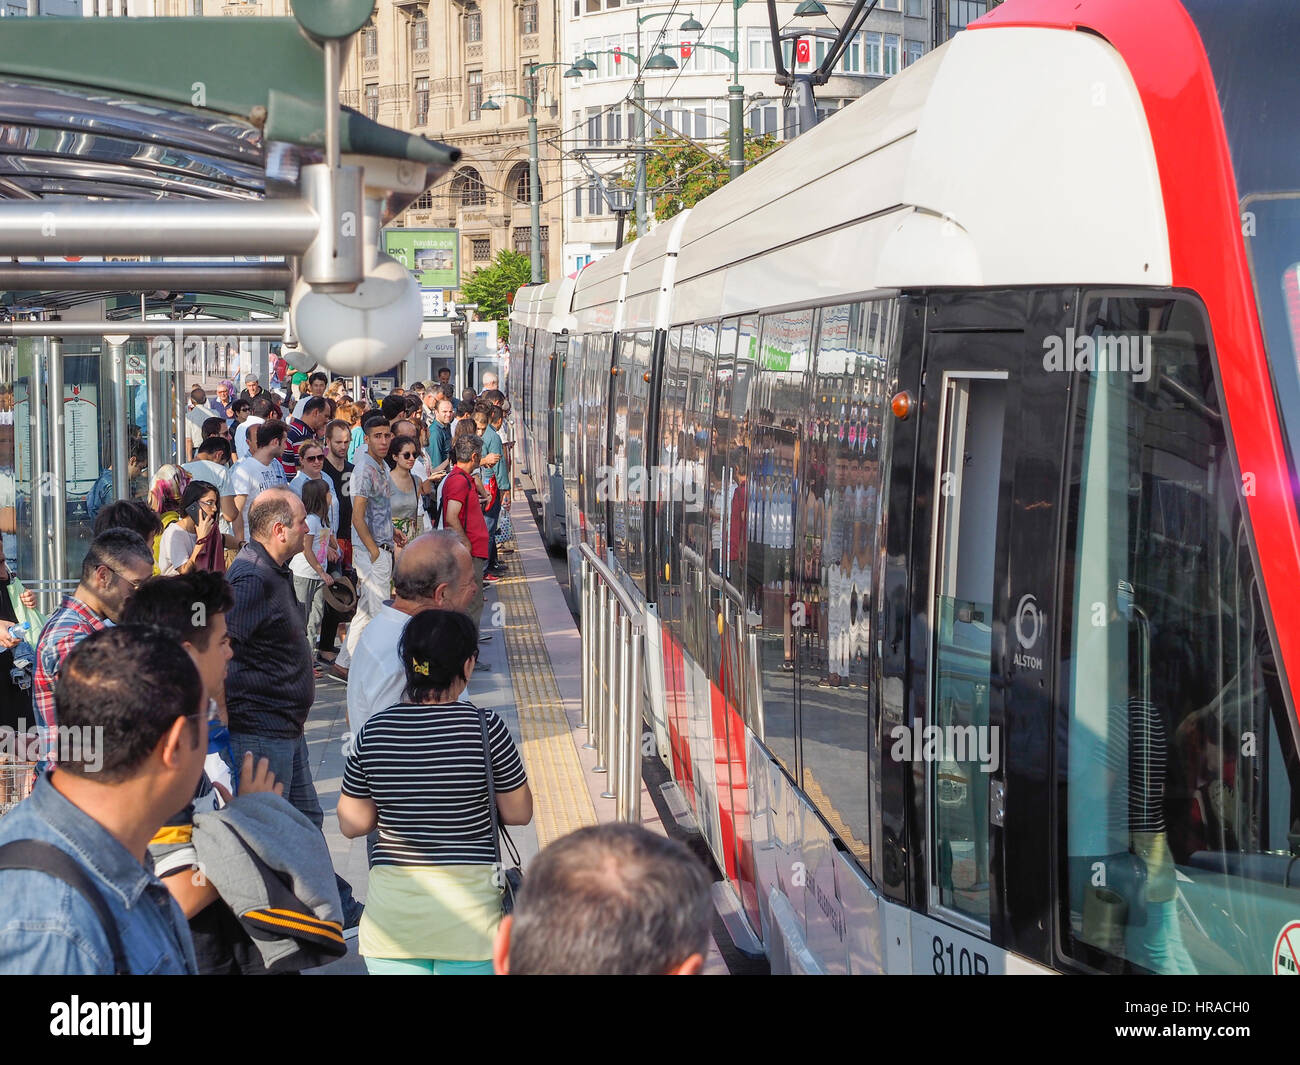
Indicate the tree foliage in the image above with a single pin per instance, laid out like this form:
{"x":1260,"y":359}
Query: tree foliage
{"x":489,"y":287}
{"x":680,"y":174}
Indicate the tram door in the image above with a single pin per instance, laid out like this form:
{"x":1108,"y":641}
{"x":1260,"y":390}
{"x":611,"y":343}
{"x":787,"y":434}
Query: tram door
{"x":981,"y":588}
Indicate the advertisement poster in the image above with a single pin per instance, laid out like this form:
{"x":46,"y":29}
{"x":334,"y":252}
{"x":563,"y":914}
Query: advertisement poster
{"x":432,"y":255}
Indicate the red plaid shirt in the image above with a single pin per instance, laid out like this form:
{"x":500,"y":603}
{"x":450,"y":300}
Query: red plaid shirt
{"x":67,"y":627}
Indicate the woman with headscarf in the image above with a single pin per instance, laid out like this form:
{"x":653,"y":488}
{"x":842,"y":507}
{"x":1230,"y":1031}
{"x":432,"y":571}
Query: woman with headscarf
{"x":166,"y":490}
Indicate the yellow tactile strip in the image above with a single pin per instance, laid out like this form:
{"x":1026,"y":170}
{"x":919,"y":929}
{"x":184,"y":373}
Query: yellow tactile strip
{"x":561,"y":801}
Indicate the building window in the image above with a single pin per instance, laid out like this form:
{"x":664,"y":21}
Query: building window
{"x":421,"y":101}
{"x":595,"y":201}
{"x":577,"y":201}
{"x":593,"y":127}
{"x":481,"y":250}
{"x":916,"y":8}
{"x":419,"y":32}
{"x":761,"y":56}
{"x":528,"y":19}
{"x":961,"y":13}
{"x":763,"y":120}
{"x":473,"y":25}
{"x":474,"y":92}
{"x":912,"y":51}
{"x":614,"y":126}
{"x":423,"y":202}
{"x":519,"y":183}
{"x":888,"y":5}
{"x":529,"y":81}
{"x":370,"y":41}
{"x":851,"y":61}
{"x":891,"y":54}
{"x":523,"y":241}
{"x":372,"y":102}
{"x":468,"y":188}
{"x":871,"y":53}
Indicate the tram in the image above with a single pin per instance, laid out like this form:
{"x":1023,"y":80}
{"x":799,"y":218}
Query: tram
{"x":952,"y":453}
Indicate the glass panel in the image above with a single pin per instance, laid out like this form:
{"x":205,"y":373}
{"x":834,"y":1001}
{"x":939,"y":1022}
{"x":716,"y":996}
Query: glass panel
{"x":639,"y":488}
{"x":843,"y":489}
{"x":967,"y":491}
{"x":1181,"y":782}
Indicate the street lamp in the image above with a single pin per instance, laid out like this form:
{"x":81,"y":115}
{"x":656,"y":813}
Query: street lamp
{"x":535,"y":188}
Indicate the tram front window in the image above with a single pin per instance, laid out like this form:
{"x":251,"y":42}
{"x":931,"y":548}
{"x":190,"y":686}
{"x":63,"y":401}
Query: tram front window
{"x":1272,"y":227}
{"x":1182,"y":811}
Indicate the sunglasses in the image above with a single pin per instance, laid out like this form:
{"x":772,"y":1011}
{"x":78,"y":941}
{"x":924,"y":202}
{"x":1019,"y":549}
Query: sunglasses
{"x":313,"y":458}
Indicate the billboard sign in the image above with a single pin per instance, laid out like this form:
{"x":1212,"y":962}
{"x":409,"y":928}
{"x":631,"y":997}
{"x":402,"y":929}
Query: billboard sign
{"x":432,"y":255}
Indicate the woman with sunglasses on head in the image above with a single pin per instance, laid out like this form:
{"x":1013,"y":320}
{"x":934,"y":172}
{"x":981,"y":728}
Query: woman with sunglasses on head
{"x":418,"y":772}
{"x":406,"y":486}
{"x":194,"y":539}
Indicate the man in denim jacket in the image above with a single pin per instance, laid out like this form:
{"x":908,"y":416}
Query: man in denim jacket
{"x":132,"y":712}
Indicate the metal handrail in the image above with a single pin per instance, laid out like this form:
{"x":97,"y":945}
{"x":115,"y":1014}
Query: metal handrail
{"x":613,"y":646}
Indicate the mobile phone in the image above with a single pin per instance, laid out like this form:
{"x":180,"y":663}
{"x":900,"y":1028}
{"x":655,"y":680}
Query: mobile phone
{"x":193,"y":511}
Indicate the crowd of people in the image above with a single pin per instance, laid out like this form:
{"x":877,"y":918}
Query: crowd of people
{"x":174,"y":825}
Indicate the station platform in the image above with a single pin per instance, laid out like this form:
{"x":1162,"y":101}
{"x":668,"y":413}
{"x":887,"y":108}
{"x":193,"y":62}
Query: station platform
{"x":529,"y":672}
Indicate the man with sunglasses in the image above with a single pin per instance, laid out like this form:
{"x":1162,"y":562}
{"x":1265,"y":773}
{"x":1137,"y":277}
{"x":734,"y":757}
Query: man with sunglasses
{"x":118,"y":562}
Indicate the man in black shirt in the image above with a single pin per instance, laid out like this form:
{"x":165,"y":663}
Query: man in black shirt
{"x":338,"y":435}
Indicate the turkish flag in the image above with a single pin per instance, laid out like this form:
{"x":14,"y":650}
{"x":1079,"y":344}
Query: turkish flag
{"x":802,"y":51}
{"x":686,"y":51}
{"x":618,"y":56}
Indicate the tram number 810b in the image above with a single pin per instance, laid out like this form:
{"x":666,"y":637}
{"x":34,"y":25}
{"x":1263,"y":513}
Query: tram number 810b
{"x":948,"y":961}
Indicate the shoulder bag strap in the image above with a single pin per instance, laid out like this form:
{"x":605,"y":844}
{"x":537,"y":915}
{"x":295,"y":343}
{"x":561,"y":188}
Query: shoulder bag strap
{"x":498,"y":829}
{"x":47,"y":858}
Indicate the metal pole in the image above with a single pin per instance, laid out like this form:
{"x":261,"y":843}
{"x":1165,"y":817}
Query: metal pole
{"x":535,"y":185}
{"x":154,"y":405}
{"x":178,"y":383}
{"x":736,"y":98}
{"x":185,"y":277}
{"x":159,"y":327}
{"x":151,"y":227}
{"x":597,"y":665}
{"x":609,"y":731}
{"x":40,"y":475}
{"x":584,"y":622}
{"x":621,"y":738}
{"x":638,"y":99}
{"x":121,"y":424}
{"x":630,"y":809}
{"x":58,"y":462}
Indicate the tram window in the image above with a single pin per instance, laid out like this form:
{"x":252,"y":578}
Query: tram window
{"x":1182,"y":811}
{"x":842,"y":441}
{"x":617,"y":478}
{"x":695,"y":454}
{"x":677,"y":372}
{"x":780,"y":408}
{"x":638,"y":391}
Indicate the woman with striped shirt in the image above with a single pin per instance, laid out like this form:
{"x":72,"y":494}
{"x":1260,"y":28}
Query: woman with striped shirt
{"x":417,"y":771}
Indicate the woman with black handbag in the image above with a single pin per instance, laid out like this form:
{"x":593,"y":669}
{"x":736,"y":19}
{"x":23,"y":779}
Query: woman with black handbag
{"x":438,"y":777}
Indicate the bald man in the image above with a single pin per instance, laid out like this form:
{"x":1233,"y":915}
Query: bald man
{"x":435,"y":571}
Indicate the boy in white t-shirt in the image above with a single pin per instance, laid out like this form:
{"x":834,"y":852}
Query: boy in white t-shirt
{"x":260,"y":471}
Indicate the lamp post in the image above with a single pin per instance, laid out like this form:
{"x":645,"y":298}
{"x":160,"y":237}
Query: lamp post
{"x":657,"y":62}
{"x":534,"y":182}
{"x":535,"y":188}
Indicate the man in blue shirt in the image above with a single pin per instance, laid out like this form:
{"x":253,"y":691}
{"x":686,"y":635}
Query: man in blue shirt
{"x":490,"y":467}
{"x":133,"y":734}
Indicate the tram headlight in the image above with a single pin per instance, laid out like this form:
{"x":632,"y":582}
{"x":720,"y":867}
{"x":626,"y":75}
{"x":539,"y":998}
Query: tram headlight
{"x":362,"y":332}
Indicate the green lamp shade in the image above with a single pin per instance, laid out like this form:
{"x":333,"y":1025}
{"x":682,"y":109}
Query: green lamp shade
{"x":489,"y":105}
{"x":661,"y":62}
{"x":573,"y":72}
{"x":584,"y":64}
{"x":810,"y":8}
{"x":691,"y":25}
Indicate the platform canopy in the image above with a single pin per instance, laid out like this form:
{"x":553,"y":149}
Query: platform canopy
{"x":170,"y":109}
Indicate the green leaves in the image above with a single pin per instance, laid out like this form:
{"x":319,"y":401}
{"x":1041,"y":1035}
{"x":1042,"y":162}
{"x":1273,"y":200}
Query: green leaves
{"x":681,"y":174}
{"x":489,"y":286}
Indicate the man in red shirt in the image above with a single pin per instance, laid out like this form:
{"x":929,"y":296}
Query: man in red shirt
{"x":462,"y":510}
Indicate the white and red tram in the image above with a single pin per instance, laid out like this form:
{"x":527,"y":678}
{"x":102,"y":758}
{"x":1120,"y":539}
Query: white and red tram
{"x":954,"y":448}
